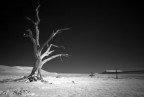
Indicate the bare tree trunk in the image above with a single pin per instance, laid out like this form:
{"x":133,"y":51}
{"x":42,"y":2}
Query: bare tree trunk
{"x":40,"y":61}
{"x":41,"y":58}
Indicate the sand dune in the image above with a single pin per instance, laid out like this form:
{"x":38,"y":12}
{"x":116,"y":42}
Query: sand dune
{"x":19,"y":70}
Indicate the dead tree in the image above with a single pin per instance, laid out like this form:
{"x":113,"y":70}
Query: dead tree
{"x":41,"y":58}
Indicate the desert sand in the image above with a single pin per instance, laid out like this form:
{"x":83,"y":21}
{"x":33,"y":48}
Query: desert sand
{"x":74,"y":85}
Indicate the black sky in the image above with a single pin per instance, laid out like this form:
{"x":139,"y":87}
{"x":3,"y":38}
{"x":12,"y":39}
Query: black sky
{"x":102,"y":35}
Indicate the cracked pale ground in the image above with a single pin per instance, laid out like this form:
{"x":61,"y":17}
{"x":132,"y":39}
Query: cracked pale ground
{"x":75,"y":87}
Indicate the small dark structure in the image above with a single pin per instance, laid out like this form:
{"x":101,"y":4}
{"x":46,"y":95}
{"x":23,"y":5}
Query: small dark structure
{"x":116,"y":74}
{"x":91,"y":75}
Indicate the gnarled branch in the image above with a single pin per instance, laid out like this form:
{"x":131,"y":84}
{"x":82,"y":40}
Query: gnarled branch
{"x":36,"y":24}
{"x":55,"y":56}
{"x":37,"y":15}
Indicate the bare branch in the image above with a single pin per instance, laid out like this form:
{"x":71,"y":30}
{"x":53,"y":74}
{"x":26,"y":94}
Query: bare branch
{"x":48,"y":49}
{"x":37,"y":36}
{"x":36,"y":26}
{"x":55,"y":56}
{"x":57,"y":46}
{"x":46,"y":53}
{"x":30,"y":20}
{"x":30,"y":35}
{"x":52,"y":36}
{"x":37,"y":15}
{"x":63,"y":29}
{"x":59,"y":31}
{"x":50,"y":52}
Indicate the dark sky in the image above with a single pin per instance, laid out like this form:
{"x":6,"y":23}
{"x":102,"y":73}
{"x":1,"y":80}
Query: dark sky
{"x":102,"y":35}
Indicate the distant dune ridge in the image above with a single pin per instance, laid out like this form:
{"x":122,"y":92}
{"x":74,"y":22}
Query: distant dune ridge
{"x":123,"y":72}
{"x":20,"y":70}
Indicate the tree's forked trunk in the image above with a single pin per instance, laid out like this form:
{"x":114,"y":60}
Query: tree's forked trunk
{"x":40,"y":61}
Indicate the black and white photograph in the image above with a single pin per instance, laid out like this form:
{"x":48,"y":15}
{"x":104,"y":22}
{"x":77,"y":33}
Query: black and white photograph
{"x":71,"y":48}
